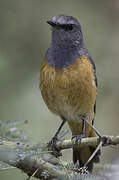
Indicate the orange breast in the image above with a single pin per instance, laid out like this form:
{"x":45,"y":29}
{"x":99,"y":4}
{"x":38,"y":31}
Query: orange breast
{"x":70,"y":91}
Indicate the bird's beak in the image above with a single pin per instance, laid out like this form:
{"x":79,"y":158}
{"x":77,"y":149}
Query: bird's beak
{"x":51,"y":22}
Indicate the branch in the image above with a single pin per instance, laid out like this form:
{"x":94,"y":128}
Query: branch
{"x":36,"y":160}
{"x":31,"y":159}
{"x":92,"y":141}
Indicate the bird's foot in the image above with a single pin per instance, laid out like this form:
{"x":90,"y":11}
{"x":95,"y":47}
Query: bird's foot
{"x":52,"y":146}
{"x":78,"y":138}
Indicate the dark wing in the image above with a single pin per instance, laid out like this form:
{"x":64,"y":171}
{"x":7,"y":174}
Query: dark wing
{"x":94,"y":69}
{"x":84,"y":52}
{"x":96,"y":83}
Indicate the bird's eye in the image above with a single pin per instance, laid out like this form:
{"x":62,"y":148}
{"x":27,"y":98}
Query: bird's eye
{"x":70,"y":27}
{"x":67,"y":27}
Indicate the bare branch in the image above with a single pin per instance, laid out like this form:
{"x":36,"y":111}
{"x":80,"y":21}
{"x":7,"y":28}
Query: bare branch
{"x":92,"y":141}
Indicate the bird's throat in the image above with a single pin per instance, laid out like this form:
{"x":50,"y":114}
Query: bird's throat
{"x":61,"y":55}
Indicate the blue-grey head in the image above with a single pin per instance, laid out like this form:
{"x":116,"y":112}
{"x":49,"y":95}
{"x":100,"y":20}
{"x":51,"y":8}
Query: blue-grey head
{"x":65,"y":29}
{"x":67,"y":41}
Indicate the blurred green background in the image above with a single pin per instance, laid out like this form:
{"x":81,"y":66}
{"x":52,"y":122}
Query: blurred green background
{"x":24,"y":39}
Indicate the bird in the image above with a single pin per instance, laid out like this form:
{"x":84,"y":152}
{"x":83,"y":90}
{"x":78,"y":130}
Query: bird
{"x":68,"y":84}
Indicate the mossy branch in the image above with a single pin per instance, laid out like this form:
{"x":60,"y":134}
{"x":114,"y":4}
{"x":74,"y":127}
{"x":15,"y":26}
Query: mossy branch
{"x":37,"y":161}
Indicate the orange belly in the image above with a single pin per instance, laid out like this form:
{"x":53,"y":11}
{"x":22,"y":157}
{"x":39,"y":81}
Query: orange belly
{"x":69,"y":92}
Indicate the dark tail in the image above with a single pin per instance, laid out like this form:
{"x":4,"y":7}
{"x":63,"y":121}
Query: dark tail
{"x":81,"y":155}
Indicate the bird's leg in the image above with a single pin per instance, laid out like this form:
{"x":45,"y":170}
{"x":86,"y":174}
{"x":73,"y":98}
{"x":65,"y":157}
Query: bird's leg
{"x":53,"y":141}
{"x":82,"y":135}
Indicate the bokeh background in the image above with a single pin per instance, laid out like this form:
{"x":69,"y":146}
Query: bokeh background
{"x":24,"y":39}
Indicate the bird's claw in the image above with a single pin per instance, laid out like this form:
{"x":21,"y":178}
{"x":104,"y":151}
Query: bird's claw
{"x":77,"y":138}
{"x":52,"y":146}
